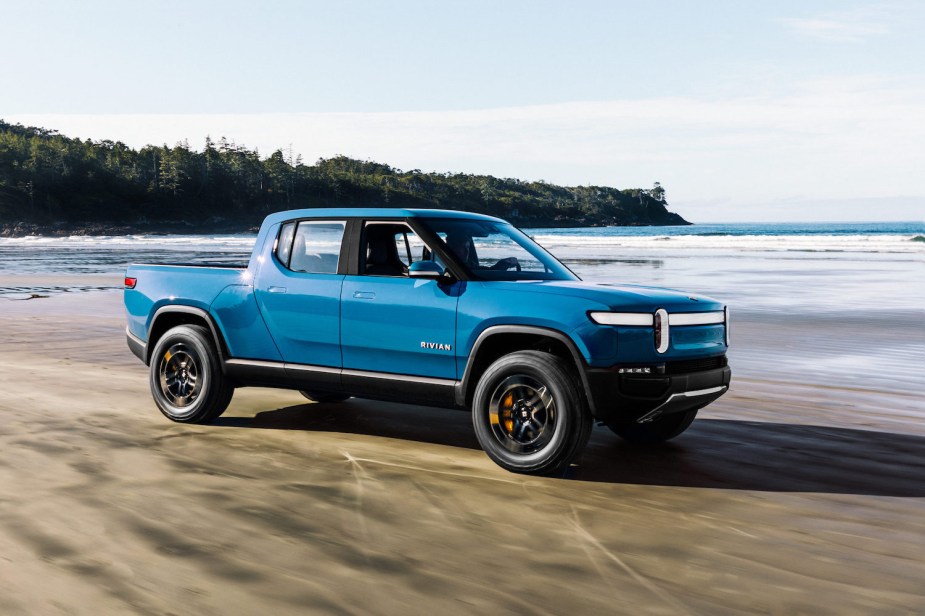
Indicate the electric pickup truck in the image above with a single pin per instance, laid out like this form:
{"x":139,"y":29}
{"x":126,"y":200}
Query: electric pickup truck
{"x":439,"y":308}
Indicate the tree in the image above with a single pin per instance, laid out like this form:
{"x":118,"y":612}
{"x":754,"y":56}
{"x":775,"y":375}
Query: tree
{"x":45,"y":176}
{"x":657,"y":192}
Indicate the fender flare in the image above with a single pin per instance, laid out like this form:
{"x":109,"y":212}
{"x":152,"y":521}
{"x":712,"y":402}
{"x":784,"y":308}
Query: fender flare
{"x":199,"y":312}
{"x":463,"y":386}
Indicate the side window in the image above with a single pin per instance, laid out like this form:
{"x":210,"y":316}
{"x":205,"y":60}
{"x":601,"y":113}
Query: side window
{"x":388,"y":249}
{"x":316,"y":247}
{"x":284,"y":243}
{"x":410,"y":247}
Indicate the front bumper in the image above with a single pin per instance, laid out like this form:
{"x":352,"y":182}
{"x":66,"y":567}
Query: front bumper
{"x":641,"y":398}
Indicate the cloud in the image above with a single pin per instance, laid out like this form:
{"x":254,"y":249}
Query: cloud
{"x":807,"y":209}
{"x":825,"y":140}
{"x":844,"y":27}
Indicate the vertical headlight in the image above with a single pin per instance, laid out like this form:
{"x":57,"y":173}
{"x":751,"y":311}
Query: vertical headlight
{"x":726,"y":322}
{"x":661,"y":330}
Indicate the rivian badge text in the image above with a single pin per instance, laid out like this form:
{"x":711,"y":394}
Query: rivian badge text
{"x":436,"y":346}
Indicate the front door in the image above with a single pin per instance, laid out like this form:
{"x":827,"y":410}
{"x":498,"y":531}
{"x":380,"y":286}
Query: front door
{"x":390,"y":322}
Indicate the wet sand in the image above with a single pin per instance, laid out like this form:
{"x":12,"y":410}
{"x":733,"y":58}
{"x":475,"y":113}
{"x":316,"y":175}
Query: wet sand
{"x":795,"y":493}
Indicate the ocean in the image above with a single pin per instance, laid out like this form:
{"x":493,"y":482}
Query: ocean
{"x":767,"y":266}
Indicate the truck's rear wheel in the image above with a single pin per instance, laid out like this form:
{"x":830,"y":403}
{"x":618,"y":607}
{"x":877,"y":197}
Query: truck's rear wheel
{"x":528,"y":413}
{"x":658,"y":431}
{"x":186,"y":378}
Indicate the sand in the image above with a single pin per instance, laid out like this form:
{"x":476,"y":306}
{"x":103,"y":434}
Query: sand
{"x":795,"y":493}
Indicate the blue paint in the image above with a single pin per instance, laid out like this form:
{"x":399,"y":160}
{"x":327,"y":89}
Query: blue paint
{"x":401,"y":325}
{"x":385,"y":332}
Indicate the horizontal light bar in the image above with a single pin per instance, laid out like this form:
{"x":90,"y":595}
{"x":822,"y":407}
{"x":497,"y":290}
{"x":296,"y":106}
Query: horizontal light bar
{"x":631,"y":319}
{"x":697,"y":318}
{"x":639,"y":370}
{"x":642,"y":319}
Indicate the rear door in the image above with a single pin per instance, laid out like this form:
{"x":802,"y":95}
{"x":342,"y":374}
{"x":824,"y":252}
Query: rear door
{"x":299,"y":291}
{"x":392,"y":323}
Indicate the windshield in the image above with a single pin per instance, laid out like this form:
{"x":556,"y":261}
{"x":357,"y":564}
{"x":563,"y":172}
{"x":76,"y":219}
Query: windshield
{"x":497,"y":251}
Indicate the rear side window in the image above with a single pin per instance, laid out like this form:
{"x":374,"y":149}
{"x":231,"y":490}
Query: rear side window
{"x":284,"y":243}
{"x":314,"y":247}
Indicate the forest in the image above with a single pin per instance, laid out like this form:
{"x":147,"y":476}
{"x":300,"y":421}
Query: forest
{"x":51,"y":184}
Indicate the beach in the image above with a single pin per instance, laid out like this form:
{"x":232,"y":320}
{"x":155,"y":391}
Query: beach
{"x":796,"y":492}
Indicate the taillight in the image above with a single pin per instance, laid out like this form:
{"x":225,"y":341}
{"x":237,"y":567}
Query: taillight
{"x":130,"y":282}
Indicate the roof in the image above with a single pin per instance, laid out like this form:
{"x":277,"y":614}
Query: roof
{"x":372,"y":212}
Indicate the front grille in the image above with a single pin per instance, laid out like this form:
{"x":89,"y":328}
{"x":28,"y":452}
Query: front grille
{"x":695,"y":365}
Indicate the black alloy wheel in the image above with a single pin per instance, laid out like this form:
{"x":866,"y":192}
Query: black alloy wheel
{"x":186,"y":377}
{"x":528,"y":413}
{"x":522,"y":414}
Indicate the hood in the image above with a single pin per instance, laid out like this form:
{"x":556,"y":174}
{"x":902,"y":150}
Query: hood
{"x":618,"y":297}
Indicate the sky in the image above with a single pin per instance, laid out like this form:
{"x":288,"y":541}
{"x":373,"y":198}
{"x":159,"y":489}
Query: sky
{"x":744,"y":111}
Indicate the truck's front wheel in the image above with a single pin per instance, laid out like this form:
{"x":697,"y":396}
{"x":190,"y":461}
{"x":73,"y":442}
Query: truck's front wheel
{"x":185,"y":376}
{"x":528,"y":413}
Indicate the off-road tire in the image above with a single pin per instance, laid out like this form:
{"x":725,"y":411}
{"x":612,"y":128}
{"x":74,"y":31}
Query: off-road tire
{"x":186,"y":377}
{"x":529,"y":414}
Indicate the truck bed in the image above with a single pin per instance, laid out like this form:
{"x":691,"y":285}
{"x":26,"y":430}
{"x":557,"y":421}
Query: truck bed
{"x":194,"y":284}
{"x":200,"y":264}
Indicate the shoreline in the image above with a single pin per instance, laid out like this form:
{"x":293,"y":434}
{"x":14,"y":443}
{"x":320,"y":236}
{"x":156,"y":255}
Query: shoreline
{"x":21,"y":230}
{"x":61,"y":230}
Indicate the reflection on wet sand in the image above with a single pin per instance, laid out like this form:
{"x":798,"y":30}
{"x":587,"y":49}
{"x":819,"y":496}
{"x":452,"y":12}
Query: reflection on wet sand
{"x":727,"y":454}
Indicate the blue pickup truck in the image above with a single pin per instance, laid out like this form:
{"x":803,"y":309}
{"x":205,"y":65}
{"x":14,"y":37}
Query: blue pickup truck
{"x":441,"y":308}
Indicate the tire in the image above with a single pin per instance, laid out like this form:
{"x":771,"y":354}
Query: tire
{"x":319,"y":396}
{"x":529,"y":415}
{"x":661,"y":430}
{"x":186,"y":377}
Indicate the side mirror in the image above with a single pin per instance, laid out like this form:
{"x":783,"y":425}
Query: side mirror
{"x":425,"y":269}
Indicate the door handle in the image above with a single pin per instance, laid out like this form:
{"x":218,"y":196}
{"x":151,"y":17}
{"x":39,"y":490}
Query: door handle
{"x":364,"y":295}
{"x":276,"y":289}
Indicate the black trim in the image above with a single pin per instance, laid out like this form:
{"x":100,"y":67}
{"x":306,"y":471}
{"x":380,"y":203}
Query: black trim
{"x":137,"y":346}
{"x":349,"y":264}
{"x":199,"y":312}
{"x":462,"y":388}
{"x":414,"y":390}
{"x":624,"y":398}
{"x":686,"y":366}
{"x":259,"y":373}
{"x":360,"y":383}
